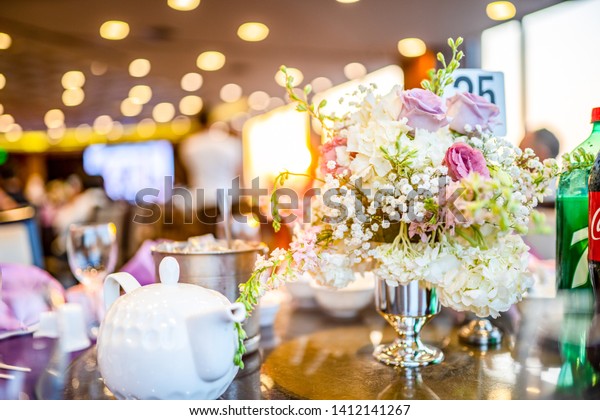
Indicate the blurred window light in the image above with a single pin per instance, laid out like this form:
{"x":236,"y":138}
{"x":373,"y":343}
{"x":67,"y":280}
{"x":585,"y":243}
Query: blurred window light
{"x":191,"y":82}
{"x":140,"y":94}
{"x":258,"y":100}
{"x":72,"y":79}
{"x":500,"y":51}
{"x":139,"y":67}
{"x":501,"y":10}
{"x":253,"y":31}
{"x":163,"y":112}
{"x":190,"y":105}
{"x":183,"y":5}
{"x":412,"y":47}
{"x":296,"y":75}
{"x":564,"y":111}
{"x":264,"y":154}
{"x":5,"y":41}
{"x":114,"y":30}
{"x":73,"y":97}
{"x":54,"y":118}
{"x":210,"y":60}
{"x":231,"y":92}
{"x":354,"y":71}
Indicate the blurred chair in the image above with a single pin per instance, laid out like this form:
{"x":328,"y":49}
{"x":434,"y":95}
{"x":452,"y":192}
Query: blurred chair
{"x":20,"y":240}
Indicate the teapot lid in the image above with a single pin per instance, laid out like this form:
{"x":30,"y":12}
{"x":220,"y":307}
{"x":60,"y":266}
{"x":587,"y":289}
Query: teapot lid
{"x":168,"y":271}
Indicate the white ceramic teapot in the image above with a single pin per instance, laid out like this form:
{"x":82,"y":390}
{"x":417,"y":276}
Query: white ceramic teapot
{"x":167,"y":340}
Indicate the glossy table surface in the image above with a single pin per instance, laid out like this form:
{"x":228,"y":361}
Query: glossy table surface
{"x":309,"y":355}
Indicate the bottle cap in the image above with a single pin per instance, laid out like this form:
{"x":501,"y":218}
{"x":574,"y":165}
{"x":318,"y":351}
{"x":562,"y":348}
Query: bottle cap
{"x":595,"y":114}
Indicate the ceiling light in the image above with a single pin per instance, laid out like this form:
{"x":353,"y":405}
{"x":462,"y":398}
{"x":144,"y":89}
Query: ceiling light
{"x":501,"y":10}
{"x":412,"y":47}
{"x":354,"y":71}
{"x":347,"y":1}
{"x":129,"y":108}
{"x":73,"y":97}
{"x":253,"y":31}
{"x":2,"y":81}
{"x":191,"y":82}
{"x":190,"y":105}
{"x":1,"y":109}
{"x":73,"y":79}
{"x":258,"y":100}
{"x":181,"y":125}
{"x":6,"y":121}
{"x":183,"y":5}
{"x":139,"y":67}
{"x":114,"y":30}
{"x":5,"y":41}
{"x":56,"y":133}
{"x":296,"y":74}
{"x":98,"y":68}
{"x":146,"y":127}
{"x":54,"y":118}
{"x":83,"y":133}
{"x":14,"y":132}
{"x":320,"y":84}
{"x":163,"y":112}
{"x":210,"y":60}
{"x":103,"y":124}
{"x":231,"y":92}
{"x":140,"y":94}
{"x":116,"y":132}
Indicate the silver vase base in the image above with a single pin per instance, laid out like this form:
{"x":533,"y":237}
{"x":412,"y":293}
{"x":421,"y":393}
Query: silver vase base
{"x":480,"y":333}
{"x":397,"y":355}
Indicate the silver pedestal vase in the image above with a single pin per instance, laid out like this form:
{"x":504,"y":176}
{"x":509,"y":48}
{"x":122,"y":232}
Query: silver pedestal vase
{"x":480,"y":332}
{"x":407,"y":309}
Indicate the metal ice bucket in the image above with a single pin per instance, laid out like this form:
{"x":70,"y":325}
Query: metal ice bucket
{"x":222,"y":271}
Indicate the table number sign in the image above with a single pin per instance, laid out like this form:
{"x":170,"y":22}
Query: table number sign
{"x":489,"y":84}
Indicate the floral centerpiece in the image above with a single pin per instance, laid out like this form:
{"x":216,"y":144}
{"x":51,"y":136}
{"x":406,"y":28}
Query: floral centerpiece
{"x":422,"y":189}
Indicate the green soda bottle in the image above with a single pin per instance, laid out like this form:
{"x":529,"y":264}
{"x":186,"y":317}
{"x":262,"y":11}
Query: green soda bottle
{"x":572,"y":219}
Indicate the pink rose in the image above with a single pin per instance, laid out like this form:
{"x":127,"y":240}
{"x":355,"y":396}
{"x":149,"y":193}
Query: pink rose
{"x":469,"y":109}
{"x":424,"y":109}
{"x":461,"y":159}
{"x":334,"y":158}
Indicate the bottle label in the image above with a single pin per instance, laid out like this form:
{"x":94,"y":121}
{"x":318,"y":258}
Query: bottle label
{"x":594,"y":226}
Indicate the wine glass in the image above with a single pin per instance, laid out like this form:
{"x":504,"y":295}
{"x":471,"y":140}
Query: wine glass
{"x":92,"y":254}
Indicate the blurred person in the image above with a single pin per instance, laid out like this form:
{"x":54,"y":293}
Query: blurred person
{"x":6,"y":201}
{"x":213,"y":159}
{"x":83,"y":199}
{"x":542,"y":243}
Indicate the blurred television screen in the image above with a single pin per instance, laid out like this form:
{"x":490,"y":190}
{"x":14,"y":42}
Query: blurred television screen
{"x":131,"y":167}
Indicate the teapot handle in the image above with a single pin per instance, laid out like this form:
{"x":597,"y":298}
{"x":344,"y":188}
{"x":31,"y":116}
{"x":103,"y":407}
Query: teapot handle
{"x":113,"y":284}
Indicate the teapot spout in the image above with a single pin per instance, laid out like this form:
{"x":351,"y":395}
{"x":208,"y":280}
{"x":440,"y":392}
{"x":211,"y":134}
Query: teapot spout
{"x":213,"y":340}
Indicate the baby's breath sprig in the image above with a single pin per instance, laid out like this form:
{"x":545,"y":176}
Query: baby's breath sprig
{"x":441,"y":78}
{"x":577,"y":159}
{"x":302,"y":104}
